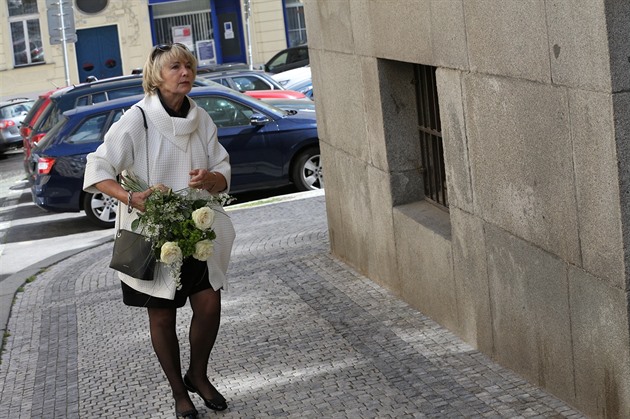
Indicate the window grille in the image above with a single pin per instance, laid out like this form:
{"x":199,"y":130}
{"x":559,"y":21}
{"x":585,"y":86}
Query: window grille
{"x":200,"y":21}
{"x":430,"y":130}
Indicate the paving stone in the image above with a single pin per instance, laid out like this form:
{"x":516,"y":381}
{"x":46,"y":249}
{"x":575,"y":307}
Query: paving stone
{"x":302,"y":336}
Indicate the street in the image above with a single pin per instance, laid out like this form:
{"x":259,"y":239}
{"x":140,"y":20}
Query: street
{"x":29,"y":234}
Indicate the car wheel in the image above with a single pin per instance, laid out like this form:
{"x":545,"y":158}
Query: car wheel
{"x":100,"y":209}
{"x":307,"y":171}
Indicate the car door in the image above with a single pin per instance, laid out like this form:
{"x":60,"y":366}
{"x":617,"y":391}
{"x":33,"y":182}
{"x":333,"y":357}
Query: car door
{"x":257,"y":160}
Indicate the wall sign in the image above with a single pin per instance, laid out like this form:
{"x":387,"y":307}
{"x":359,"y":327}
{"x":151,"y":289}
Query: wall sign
{"x":183,"y":35}
{"x":228,"y":32}
{"x":206,"y":52}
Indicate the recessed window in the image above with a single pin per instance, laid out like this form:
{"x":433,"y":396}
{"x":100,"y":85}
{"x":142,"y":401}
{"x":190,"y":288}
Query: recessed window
{"x":91,"y":6}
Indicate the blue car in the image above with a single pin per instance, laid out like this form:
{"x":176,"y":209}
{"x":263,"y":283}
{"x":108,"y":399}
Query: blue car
{"x":269,"y":147}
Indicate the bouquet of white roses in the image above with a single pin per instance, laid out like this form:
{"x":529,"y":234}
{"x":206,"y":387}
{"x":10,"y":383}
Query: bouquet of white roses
{"x":178,"y":223}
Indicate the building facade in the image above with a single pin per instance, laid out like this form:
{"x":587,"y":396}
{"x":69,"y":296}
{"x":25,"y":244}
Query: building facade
{"x":477,"y":160}
{"x":113,"y":38}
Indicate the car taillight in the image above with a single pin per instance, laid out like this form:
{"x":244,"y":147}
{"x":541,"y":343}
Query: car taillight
{"x":6,"y":123}
{"x":44,"y":165}
{"x":38,"y":137}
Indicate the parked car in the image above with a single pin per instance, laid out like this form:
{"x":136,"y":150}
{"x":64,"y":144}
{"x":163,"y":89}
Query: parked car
{"x":292,"y":77}
{"x":276,"y":94}
{"x":291,"y":104}
{"x":26,"y":127}
{"x":243,"y":80}
{"x":288,"y":59}
{"x":212,"y":68}
{"x":81,"y":95}
{"x":303,"y":86}
{"x":12,"y":113}
{"x":268,"y":147}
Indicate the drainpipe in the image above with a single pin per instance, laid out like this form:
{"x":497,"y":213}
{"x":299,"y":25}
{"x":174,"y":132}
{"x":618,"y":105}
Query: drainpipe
{"x":248,"y":13}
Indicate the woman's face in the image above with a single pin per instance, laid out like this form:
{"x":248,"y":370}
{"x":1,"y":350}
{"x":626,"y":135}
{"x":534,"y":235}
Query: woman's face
{"x":177,"y":77}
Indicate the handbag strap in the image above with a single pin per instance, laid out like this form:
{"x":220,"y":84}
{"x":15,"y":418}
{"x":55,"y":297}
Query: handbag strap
{"x":146,"y":143}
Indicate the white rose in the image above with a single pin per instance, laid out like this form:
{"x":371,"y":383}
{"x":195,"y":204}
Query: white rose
{"x":203,"y":218}
{"x":203,"y":250}
{"x":170,"y":253}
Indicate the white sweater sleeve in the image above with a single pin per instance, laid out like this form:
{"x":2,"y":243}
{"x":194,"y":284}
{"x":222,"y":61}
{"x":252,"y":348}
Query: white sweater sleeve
{"x":117,"y":151}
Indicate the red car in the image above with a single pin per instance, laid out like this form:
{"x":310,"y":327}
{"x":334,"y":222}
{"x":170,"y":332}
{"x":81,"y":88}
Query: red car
{"x":38,"y":108}
{"x":275,"y":94}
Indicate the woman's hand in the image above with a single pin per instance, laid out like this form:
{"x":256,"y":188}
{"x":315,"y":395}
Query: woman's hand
{"x":112,"y":188}
{"x":139,"y":198}
{"x":212,"y":182}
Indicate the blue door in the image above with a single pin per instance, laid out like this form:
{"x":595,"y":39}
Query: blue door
{"x":98,"y":53}
{"x":228,"y":29}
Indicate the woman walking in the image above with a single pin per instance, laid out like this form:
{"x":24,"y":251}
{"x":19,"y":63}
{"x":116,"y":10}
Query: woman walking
{"x":179,"y":149}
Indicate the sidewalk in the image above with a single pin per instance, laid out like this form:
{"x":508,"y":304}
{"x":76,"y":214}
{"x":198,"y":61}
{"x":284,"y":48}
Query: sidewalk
{"x":302,"y":335}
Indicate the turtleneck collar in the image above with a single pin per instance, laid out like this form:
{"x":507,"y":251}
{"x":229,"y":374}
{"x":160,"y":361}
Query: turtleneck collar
{"x":183,"y":112}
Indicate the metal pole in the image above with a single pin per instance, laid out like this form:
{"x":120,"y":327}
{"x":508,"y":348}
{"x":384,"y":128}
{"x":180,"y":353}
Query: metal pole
{"x":248,"y":13}
{"x":63,"y":43}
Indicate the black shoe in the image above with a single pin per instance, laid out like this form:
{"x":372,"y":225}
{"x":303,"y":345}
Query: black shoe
{"x":189,"y":414}
{"x":216,"y":403}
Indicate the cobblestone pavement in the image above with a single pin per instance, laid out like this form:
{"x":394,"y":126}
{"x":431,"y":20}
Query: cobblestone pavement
{"x":302,"y":335}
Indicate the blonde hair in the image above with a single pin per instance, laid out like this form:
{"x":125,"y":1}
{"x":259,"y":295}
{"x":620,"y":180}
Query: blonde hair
{"x":159,"y":56}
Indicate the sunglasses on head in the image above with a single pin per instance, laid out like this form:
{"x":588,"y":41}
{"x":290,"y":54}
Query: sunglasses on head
{"x":158,"y":49}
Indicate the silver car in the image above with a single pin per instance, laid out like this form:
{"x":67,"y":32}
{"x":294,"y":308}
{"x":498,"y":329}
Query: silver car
{"x":12,"y":112}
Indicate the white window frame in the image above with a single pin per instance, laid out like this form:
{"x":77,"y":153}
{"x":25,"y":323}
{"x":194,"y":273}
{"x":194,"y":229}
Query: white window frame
{"x":27,"y":41}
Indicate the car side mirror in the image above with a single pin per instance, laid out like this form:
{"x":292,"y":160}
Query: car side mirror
{"x":259,"y":119}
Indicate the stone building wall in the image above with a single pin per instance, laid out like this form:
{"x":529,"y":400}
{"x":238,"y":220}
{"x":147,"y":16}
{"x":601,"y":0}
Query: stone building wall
{"x":530,"y":262}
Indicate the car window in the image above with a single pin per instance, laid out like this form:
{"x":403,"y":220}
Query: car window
{"x":89,"y":130}
{"x":49,"y":120}
{"x":20,"y":109}
{"x":245,"y":83}
{"x":13,"y":111}
{"x":118,"y":114}
{"x":222,"y":81}
{"x":39,"y":103}
{"x":225,"y":112}
{"x":82,"y":101}
{"x":279,"y":60}
{"x":300,"y":54}
{"x":128,"y":91}
{"x":98,"y":98}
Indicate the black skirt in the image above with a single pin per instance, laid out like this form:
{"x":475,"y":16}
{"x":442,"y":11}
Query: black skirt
{"x":194,"y":278}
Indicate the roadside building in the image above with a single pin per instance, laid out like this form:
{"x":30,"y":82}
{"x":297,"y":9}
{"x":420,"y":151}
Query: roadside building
{"x":114,"y":37}
{"x":477,"y":160}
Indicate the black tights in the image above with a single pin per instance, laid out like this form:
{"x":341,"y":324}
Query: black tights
{"x":204,"y":326}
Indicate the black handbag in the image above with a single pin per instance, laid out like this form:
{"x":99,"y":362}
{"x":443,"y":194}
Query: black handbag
{"x":133,"y":255}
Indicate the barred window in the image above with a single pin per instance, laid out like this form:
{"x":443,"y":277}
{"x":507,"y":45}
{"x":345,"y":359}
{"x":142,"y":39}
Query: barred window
{"x":25,"y":33}
{"x":430,"y":130}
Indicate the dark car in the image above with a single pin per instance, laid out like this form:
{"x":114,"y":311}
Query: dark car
{"x":81,"y":95}
{"x":244,"y":80}
{"x":268,"y":147}
{"x":212,"y":68}
{"x":12,"y":112}
{"x":288,"y":59}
